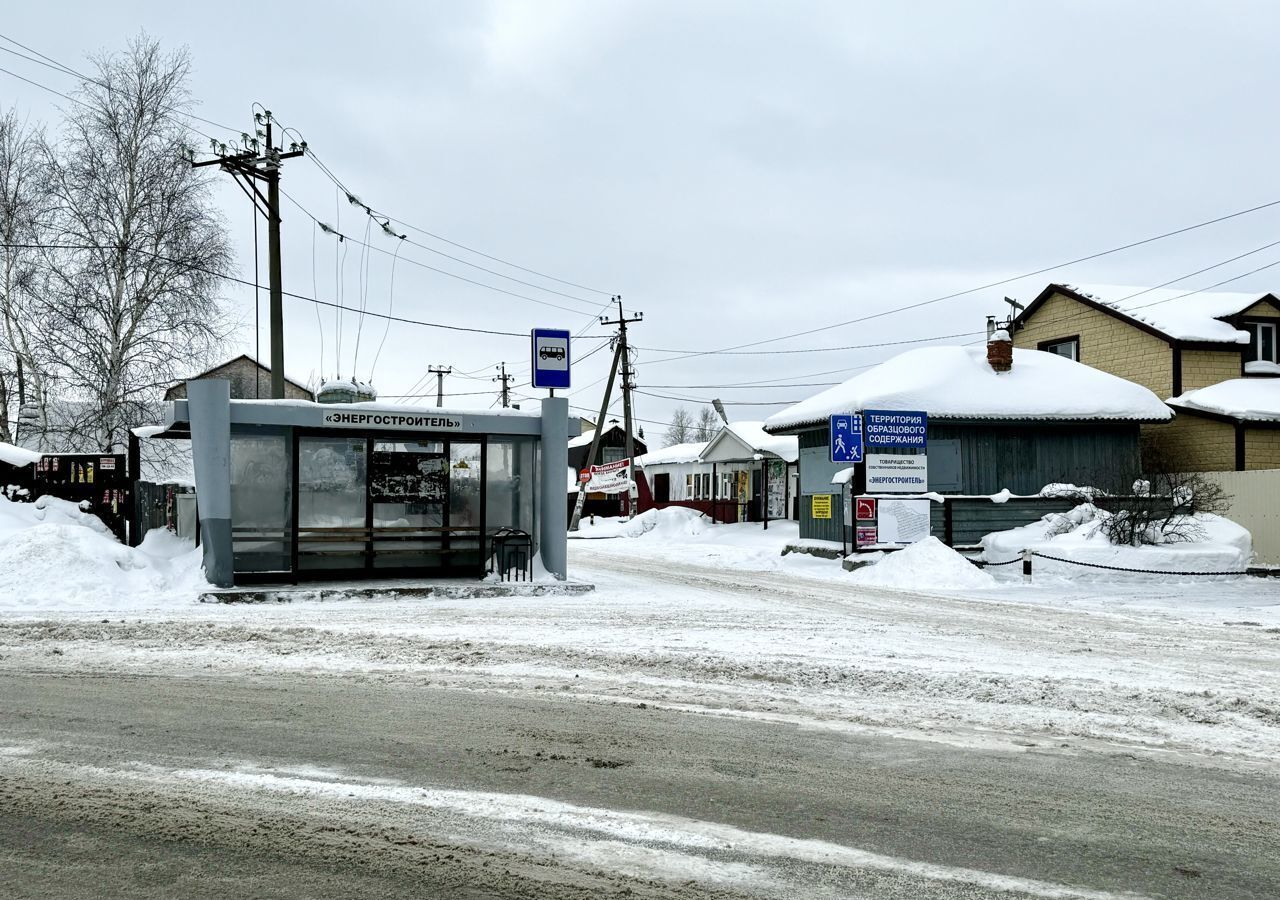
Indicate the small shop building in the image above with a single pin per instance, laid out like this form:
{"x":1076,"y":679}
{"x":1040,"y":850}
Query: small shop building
{"x":743,"y":474}
{"x":289,"y":490}
{"x":998,"y":420}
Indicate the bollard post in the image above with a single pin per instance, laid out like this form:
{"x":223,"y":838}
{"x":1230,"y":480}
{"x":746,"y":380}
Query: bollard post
{"x":1026,"y":566}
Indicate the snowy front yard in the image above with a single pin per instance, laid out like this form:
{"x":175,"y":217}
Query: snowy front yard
{"x":712,"y":619}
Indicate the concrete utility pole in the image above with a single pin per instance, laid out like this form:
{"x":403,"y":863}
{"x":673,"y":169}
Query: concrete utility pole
{"x":628,"y":384}
{"x":259,"y":160}
{"x":440,"y":373}
{"x":505,"y":379}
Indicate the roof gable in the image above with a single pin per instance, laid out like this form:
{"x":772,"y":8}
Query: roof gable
{"x":1175,"y":316}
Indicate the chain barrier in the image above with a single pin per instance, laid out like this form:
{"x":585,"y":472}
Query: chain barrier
{"x":1076,"y":562}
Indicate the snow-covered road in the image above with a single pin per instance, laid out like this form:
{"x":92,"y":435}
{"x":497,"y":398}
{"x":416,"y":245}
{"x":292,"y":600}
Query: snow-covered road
{"x":1124,"y":688}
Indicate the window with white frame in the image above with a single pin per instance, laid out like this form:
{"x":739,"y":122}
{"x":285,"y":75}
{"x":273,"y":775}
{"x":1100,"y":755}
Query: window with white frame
{"x":1068,"y":347}
{"x":1262,"y":342}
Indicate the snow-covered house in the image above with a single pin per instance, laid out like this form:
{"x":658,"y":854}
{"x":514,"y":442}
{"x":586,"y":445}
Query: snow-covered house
{"x":742,"y":474}
{"x":1177,"y":343}
{"x":998,"y":419}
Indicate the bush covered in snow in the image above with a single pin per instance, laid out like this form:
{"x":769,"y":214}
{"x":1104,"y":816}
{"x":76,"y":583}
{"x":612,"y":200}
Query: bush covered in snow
{"x":1207,"y":543}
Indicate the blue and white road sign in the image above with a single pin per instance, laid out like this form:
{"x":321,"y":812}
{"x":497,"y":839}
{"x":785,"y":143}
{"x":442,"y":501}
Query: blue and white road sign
{"x":846,"y":438}
{"x":550,"y":358}
{"x":897,"y":428}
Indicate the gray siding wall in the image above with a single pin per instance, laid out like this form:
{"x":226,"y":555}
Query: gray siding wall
{"x":993,"y":456}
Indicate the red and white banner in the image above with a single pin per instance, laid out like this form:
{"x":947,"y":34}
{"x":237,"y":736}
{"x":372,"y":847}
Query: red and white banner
{"x":610,"y":478}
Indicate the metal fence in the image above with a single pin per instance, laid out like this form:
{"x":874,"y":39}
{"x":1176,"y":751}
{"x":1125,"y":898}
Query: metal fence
{"x":1255,"y":504}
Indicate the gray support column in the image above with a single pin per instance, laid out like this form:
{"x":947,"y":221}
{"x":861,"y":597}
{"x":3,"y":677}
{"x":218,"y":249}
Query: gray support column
{"x":209,"y":408}
{"x":553,"y":529}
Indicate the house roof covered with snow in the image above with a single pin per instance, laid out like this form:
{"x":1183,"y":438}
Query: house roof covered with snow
{"x":1177,"y":314}
{"x":959,"y":383}
{"x":587,"y":436}
{"x":1246,"y":399}
{"x":17,"y":456}
{"x":676,"y":454}
{"x":749,"y":440}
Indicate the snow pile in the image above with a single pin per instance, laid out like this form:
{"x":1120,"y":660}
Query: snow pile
{"x":674,"y":522}
{"x":54,"y":555}
{"x":1077,"y":535}
{"x":925,"y":565}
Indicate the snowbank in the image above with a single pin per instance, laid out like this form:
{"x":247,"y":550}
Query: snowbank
{"x":53,"y":555}
{"x":1224,"y":547}
{"x":924,"y":565}
{"x":672,"y":522}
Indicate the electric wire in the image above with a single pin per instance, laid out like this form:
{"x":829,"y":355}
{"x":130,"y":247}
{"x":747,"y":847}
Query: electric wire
{"x":524,"y":335}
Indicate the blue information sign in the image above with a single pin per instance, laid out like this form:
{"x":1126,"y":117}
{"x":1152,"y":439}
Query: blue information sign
{"x":846,"y":438}
{"x":894,"y":428}
{"x":550,"y":358}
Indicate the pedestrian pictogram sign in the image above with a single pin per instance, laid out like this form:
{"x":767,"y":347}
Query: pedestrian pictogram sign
{"x":846,"y":438}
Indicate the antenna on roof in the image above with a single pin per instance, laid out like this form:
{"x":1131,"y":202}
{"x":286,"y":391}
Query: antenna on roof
{"x":1014,"y":308}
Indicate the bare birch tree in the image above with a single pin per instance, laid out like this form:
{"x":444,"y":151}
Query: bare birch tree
{"x":681,"y":427}
{"x":137,"y":281}
{"x":706,"y":425}
{"x":24,"y":204}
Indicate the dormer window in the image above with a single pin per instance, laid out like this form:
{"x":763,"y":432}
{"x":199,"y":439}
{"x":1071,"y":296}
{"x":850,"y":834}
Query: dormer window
{"x":1262,"y":342}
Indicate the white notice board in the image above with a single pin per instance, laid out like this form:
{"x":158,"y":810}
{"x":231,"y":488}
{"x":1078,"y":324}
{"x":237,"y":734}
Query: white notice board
{"x":902,"y":521}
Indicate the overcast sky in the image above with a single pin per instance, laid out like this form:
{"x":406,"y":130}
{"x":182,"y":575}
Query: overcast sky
{"x":736,"y":171}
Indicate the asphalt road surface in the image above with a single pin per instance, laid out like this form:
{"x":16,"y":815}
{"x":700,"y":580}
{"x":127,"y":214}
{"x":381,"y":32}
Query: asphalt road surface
{"x":289,"y":786}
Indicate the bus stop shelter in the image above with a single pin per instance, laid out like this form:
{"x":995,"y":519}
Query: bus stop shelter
{"x":292,"y":490}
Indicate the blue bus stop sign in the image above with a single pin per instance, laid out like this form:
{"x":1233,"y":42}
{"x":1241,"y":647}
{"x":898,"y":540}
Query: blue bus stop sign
{"x":550,"y":358}
{"x":846,"y":438}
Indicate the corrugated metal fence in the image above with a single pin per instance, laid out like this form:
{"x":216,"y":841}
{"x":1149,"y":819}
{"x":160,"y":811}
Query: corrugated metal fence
{"x":1255,"y":504}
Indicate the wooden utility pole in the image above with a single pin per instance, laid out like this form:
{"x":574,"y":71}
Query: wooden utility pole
{"x":440,"y":373}
{"x":628,"y":384}
{"x":595,"y":441}
{"x":254,"y":161}
{"x":505,"y":379}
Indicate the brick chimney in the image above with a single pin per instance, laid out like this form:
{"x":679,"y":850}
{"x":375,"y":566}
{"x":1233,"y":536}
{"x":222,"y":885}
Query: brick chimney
{"x":1000,"y":351}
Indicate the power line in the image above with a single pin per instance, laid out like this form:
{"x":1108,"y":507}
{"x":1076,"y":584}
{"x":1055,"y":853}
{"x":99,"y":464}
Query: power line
{"x":405,"y":224}
{"x":246,"y":283}
{"x":973,"y":290}
{"x":724,"y":402}
{"x":422,"y":265}
{"x":690,"y":353}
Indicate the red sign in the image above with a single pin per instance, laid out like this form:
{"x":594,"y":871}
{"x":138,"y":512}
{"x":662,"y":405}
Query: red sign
{"x":584,"y":476}
{"x":865,"y":509}
{"x":865,"y":535}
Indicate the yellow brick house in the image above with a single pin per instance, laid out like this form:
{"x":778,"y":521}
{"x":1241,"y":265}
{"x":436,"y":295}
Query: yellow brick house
{"x":1212,"y":355}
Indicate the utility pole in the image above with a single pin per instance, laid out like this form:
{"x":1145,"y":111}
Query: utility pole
{"x":628,"y":384}
{"x":440,"y":373}
{"x":505,"y":379}
{"x":595,"y":441}
{"x":256,"y":159}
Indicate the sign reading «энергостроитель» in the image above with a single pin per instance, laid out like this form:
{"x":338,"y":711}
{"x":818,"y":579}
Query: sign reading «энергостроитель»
{"x":891,"y":473}
{"x":895,"y":428}
{"x":550,"y":348}
{"x":391,"y":420}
